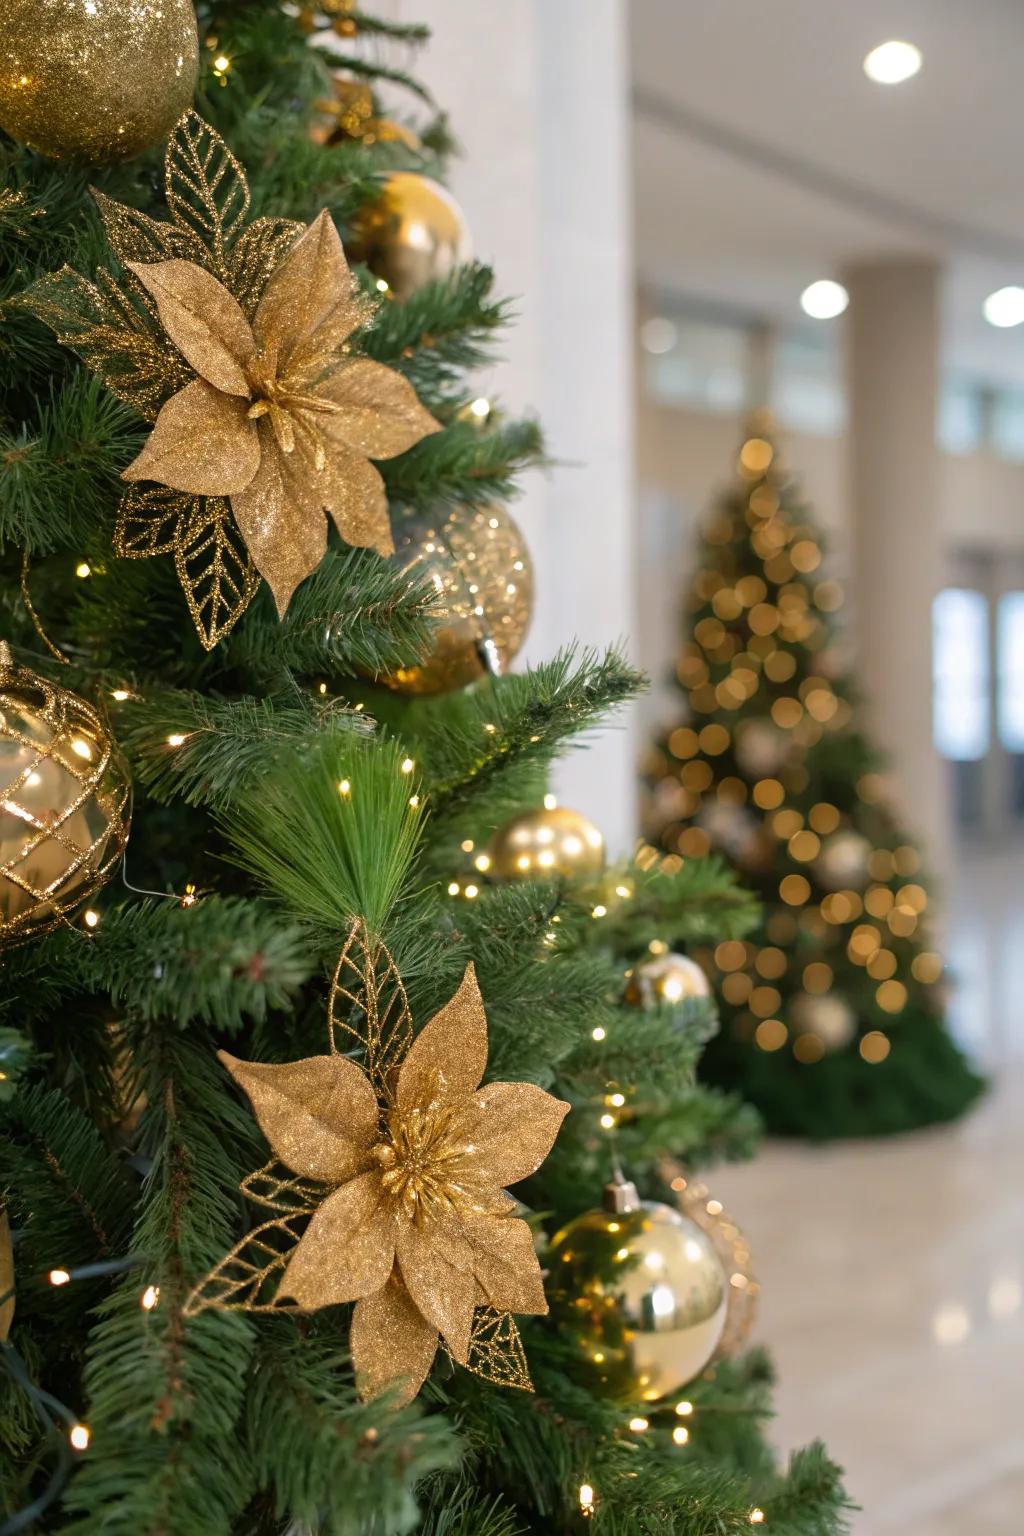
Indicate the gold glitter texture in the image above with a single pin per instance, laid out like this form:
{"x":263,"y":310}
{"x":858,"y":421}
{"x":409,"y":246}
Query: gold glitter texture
{"x":236,"y":338}
{"x":410,"y":1158}
{"x":477,"y":561}
{"x":64,"y":803}
{"x":97,"y":81}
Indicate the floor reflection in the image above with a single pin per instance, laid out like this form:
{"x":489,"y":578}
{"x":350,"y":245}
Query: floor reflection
{"x":893,"y":1272}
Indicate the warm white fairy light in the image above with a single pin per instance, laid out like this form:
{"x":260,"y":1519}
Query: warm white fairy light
{"x":344,"y":786}
{"x":757,"y":1516}
{"x":454,"y":888}
{"x":482,"y":862}
{"x":598,"y":1033}
{"x":407,"y":765}
{"x":680,"y":1434}
{"x":550,"y":802}
{"x":599,"y":911}
{"x":80,"y":1437}
{"x":382,"y":285}
{"x":58,"y":1277}
{"x":414,"y":801}
{"x":607,"y":1122}
{"x":91,"y":918}
{"x":638,"y":1425}
{"x":684,"y":1409}
{"x":120,"y":694}
{"x":176,"y":739}
{"x":586,"y":1497}
{"x":83,"y":569}
{"x":472,"y":891}
{"x":149,"y":1298}
{"x":617,"y":1100}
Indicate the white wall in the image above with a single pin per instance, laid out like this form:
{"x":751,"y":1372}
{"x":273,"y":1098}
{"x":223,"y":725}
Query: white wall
{"x":538,"y":96}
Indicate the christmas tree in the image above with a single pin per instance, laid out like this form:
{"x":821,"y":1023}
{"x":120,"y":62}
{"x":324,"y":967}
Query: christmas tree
{"x":259,"y":1269}
{"x":833,"y":1009}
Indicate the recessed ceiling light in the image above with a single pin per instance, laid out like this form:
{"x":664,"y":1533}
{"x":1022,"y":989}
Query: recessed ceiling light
{"x":892,"y":62}
{"x":824,"y":300}
{"x":1005,"y":307}
{"x":658,"y":335}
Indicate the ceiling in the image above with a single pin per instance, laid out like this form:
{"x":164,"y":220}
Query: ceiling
{"x":764,"y":158}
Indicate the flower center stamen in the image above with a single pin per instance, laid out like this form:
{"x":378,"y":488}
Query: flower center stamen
{"x":420,"y":1161}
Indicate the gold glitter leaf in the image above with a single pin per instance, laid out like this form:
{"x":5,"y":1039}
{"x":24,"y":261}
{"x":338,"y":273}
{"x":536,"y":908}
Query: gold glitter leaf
{"x":258,"y":251}
{"x":239,"y":1282}
{"x":217,"y":577}
{"x":149,"y":521}
{"x":280,"y":1190}
{"x":6,"y":1277}
{"x":379,"y":1021}
{"x":207,"y":191}
{"x":496,"y":1350}
{"x":111,"y":335}
{"x":134,"y":236}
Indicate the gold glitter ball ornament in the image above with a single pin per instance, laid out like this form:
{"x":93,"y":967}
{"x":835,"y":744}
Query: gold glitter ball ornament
{"x":638,"y":1292}
{"x":477,"y":562}
{"x":828,"y":1017}
{"x":64,"y":803}
{"x":96,"y":80}
{"x":666,"y":979}
{"x":413,"y":233}
{"x":551,"y":841}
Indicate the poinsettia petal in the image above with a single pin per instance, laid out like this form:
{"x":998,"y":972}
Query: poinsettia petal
{"x":448,"y":1057}
{"x":379,"y":411}
{"x":202,"y":442}
{"x":311,"y":287}
{"x":511,"y":1128}
{"x":319,"y":1115}
{"x":280,"y":514}
{"x":442,"y":1292}
{"x":505,"y":1263}
{"x":393,"y":1346}
{"x":348,"y":1249}
{"x":203,"y":319}
{"x":354,"y":495}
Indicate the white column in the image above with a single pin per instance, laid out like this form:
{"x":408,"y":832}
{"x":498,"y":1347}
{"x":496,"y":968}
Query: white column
{"x":538,"y":97}
{"x":896,"y":535}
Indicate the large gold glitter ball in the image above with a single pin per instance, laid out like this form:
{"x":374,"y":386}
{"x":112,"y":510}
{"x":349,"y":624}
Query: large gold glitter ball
{"x":639,"y":1294}
{"x":666,"y":979}
{"x":477,"y":562}
{"x":65,"y":803}
{"x":412,"y":233}
{"x":550,"y":841}
{"x":96,"y":80}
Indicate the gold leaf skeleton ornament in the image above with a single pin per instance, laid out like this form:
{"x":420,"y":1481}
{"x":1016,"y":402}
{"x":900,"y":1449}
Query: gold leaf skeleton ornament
{"x":396,"y":1172}
{"x":238,"y":339}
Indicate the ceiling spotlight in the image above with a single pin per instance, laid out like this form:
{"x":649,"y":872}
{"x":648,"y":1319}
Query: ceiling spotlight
{"x":658,"y":335}
{"x":1005,"y":307}
{"x":824,"y":300}
{"x":893,"y":62}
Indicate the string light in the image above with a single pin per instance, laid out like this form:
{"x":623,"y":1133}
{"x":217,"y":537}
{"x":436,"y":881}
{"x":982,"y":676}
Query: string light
{"x":454,"y":888}
{"x":91,"y":918}
{"x":80,"y":1436}
{"x":149,"y":1298}
{"x":757,"y":1516}
{"x":638,"y":1425}
{"x":83,"y":569}
{"x":414,"y":801}
{"x":407,"y":765}
{"x":58,"y":1277}
{"x":607,"y":1122}
{"x":680,"y":1434}
{"x":344,"y":786}
{"x":175,"y":739}
{"x":598,"y":1033}
{"x":586,"y":1497}
{"x":685,"y":1408}
{"x":120,"y":694}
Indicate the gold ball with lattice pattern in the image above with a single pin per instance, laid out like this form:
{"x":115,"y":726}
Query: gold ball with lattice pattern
{"x":412,"y":233}
{"x":65,"y":803}
{"x":663,"y":980}
{"x":476,"y":561}
{"x":638,"y":1294}
{"x":550,"y":842}
{"x":96,"y":82}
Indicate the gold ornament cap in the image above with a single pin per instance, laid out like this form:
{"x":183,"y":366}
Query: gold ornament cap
{"x":620,"y":1196}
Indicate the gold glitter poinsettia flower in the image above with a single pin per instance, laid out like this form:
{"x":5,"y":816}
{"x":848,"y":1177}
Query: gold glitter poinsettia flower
{"x":418,"y":1230}
{"x":283,"y":419}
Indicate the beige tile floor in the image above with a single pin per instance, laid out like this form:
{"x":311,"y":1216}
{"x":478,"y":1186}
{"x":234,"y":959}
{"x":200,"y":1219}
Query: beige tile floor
{"x":893,"y":1272}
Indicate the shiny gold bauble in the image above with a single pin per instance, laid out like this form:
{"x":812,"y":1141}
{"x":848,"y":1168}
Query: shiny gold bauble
{"x":843,"y":861}
{"x":96,"y":80}
{"x":64,"y":803}
{"x":639,"y":1294}
{"x":545,"y":843}
{"x":412,"y":233}
{"x":666,"y":979}
{"x":477,"y":562}
{"x":827,"y":1016}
